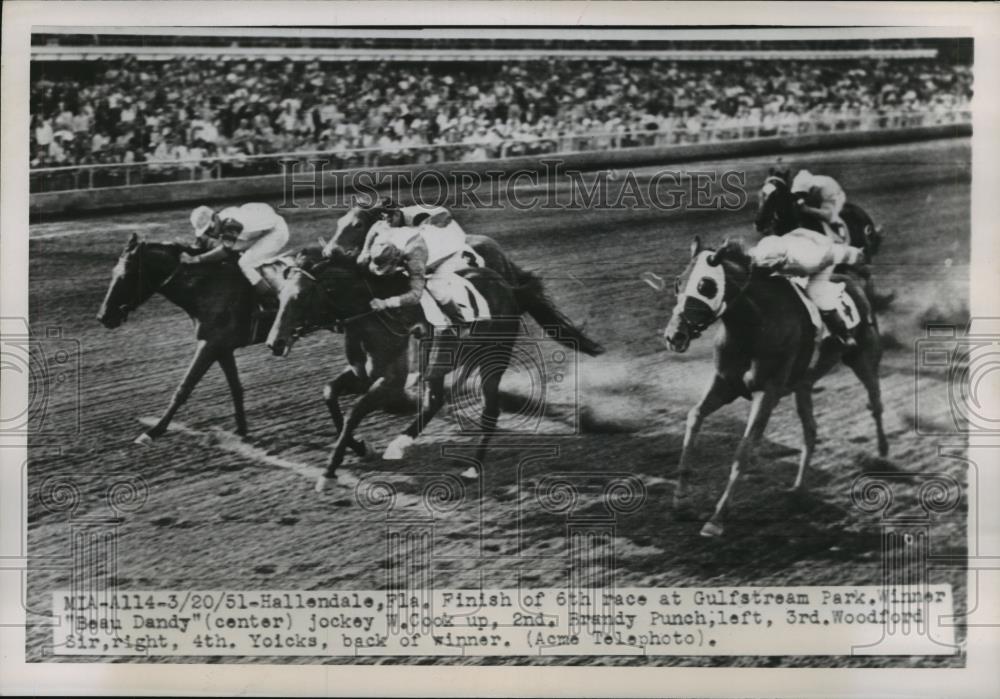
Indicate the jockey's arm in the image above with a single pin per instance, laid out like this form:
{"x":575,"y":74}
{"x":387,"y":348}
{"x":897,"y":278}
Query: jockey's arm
{"x":823,"y":212}
{"x":365,"y":256}
{"x":216,"y":254}
{"x":416,"y":268}
{"x":241,"y":236}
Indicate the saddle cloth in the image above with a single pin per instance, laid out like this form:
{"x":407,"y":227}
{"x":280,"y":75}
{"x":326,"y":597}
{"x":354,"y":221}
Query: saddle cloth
{"x":846,"y":307}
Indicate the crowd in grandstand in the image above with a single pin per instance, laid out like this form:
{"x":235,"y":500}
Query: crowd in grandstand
{"x":190,"y":112}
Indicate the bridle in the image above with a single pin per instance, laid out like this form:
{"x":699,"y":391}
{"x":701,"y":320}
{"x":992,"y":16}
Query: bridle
{"x":696,"y":329}
{"x":138,"y":294}
{"x":339,"y":324}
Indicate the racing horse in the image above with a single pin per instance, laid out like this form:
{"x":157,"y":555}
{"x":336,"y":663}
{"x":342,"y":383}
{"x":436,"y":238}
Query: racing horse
{"x":217,"y":297}
{"x":778,"y":213}
{"x":764,"y":351}
{"x":348,"y":239}
{"x":321,"y":292}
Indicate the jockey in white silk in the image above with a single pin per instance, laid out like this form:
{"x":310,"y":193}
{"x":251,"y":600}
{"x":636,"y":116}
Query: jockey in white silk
{"x":824,"y":199}
{"x":431,"y":253}
{"x":254,"y":230}
{"x":806,"y":253}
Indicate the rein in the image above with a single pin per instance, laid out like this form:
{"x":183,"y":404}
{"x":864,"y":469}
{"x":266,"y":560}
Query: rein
{"x":339,"y":323}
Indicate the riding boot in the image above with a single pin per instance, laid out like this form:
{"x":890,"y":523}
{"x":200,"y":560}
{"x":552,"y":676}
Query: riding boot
{"x":839,"y":329}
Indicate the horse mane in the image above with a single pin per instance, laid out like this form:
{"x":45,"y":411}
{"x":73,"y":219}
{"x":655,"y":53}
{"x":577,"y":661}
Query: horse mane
{"x":175,"y":247}
{"x":734,"y":251}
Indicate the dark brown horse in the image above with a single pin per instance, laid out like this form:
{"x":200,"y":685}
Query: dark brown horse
{"x":778,"y":213}
{"x":217,"y":297}
{"x":320,"y":293}
{"x":764,"y":351}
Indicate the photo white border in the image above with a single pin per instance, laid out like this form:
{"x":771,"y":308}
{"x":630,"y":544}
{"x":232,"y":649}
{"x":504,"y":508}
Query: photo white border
{"x":980,"y":678}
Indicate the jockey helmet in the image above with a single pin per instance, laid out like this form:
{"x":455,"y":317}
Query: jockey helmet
{"x":385,"y":257}
{"x":803,"y":182}
{"x":201,"y":220}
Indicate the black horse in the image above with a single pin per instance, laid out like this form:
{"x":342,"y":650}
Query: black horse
{"x":778,"y":213}
{"x":321,"y":293}
{"x":763,"y":352}
{"x":217,"y":297}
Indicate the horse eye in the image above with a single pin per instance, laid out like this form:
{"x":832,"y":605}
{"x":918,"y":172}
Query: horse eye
{"x":708,"y":288}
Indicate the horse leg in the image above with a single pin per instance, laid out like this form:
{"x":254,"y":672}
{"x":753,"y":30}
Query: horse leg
{"x":804,"y":406}
{"x":228,"y":363}
{"x":490,"y":417}
{"x":348,"y":382}
{"x":720,"y":393}
{"x":864,"y":364}
{"x":397,"y":447}
{"x":203,"y":358}
{"x":760,"y":412}
{"x":373,"y":399}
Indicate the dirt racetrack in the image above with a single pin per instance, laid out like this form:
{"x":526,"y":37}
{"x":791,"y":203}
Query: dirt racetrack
{"x":223,"y":514}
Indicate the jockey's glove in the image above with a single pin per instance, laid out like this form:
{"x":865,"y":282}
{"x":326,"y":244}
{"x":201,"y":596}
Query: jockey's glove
{"x":382,"y":304}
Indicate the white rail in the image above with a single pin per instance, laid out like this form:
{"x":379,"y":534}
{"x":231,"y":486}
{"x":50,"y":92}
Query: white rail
{"x":98,"y":175}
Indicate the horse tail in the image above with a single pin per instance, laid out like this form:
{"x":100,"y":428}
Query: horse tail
{"x":531,"y":298}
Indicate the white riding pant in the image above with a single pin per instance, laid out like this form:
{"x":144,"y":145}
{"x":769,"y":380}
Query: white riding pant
{"x":823,"y":291}
{"x":265,"y":248}
{"x":445,"y":286}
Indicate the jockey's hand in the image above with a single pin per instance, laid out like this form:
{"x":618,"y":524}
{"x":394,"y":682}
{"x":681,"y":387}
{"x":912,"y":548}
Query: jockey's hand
{"x":379,"y":304}
{"x":188,"y":259}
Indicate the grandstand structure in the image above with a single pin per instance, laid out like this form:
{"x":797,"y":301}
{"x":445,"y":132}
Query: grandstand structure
{"x":449,"y":95}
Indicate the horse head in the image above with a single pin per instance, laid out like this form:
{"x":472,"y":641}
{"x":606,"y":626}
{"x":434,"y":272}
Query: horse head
{"x":316,"y":291}
{"x":706,"y":287}
{"x":776,"y":209}
{"x":352,"y":227}
{"x":127,"y":289}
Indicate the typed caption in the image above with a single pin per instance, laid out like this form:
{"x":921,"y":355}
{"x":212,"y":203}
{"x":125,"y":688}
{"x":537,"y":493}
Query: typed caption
{"x":861,"y":620}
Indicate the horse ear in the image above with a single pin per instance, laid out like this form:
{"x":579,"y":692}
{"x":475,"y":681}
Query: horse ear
{"x":695,"y":246}
{"x":133,"y":240}
{"x":355,"y":202}
{"x":322,"y":241}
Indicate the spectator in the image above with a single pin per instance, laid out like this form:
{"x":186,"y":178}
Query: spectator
{"x":241,"y":108}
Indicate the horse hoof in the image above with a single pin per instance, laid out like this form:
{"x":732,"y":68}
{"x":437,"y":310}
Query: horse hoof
{"x":323,"y":483}
{"x":397,"y":448}
{"x":143,"y":439}
{"x":471,"y":473}
{"x":711,"y":530}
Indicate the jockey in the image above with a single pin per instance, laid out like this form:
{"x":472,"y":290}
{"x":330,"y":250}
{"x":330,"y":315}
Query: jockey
{"x":254,"y":230}
{"x":822,"y":197}
{"x":803,"y":252}
{"x":431,"y":253}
